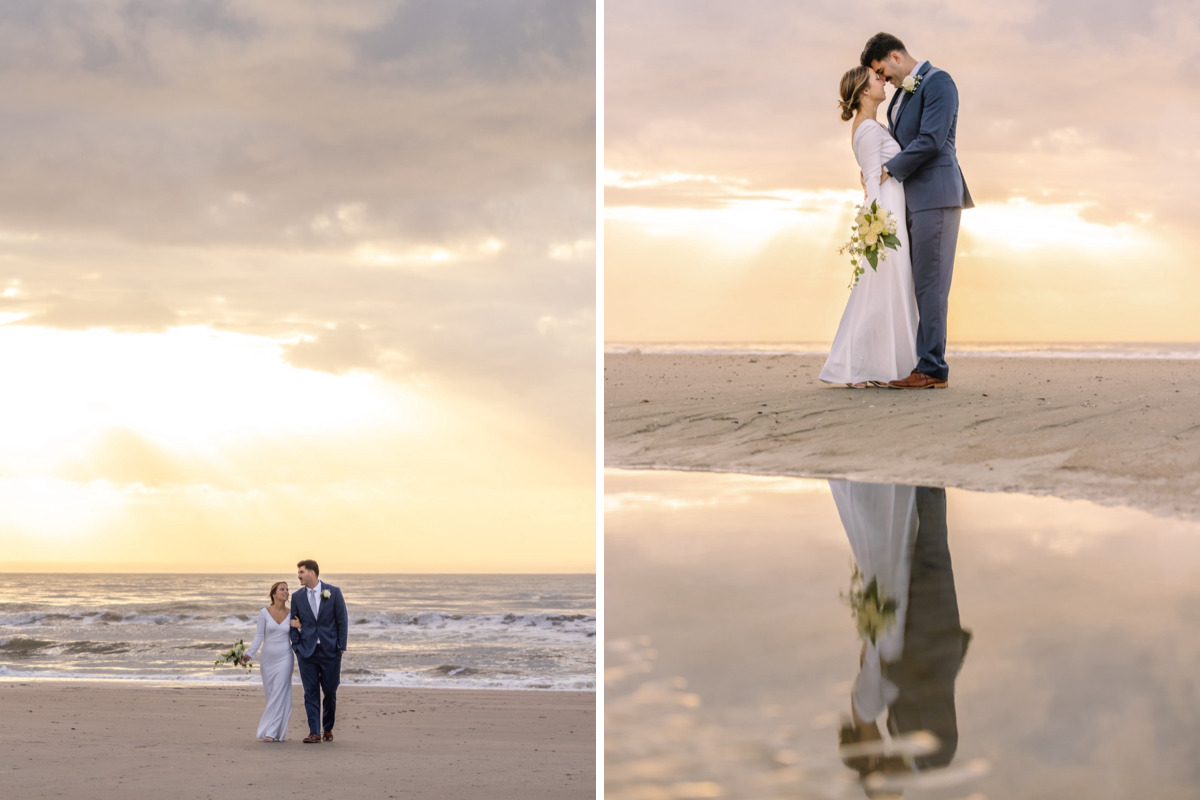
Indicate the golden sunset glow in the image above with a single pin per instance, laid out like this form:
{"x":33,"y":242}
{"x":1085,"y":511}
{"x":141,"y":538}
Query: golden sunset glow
{"x":730,"y":181}
{"x":279,"y":285}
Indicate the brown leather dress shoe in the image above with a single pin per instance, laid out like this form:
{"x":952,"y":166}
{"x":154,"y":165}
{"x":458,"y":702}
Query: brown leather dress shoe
{"x":312,"y":738}
{"x":328,"y":736}
{"x":919,"y":380}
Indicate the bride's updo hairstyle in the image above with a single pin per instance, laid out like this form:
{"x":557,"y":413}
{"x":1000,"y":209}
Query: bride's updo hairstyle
{"x":274,"y":586}
{"x":854,"y":82}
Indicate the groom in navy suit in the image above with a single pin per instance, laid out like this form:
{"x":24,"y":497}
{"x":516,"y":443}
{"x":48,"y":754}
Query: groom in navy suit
{"x":319,"y":643}
{"x":923,"y":117}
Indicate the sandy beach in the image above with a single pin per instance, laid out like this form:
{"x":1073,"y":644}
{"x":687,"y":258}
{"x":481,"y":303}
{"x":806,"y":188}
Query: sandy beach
{"x":78,"y":739}
{"x":1114,"y":431}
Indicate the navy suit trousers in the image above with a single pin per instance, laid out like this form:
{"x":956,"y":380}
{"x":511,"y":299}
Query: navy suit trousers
{"x":320,"y":674}
{"x":933,"y":235}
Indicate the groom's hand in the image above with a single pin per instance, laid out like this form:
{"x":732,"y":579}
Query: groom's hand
{"x":884,"y":175}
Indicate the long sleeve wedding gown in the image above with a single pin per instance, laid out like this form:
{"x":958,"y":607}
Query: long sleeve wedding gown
{"x":276,"y":669}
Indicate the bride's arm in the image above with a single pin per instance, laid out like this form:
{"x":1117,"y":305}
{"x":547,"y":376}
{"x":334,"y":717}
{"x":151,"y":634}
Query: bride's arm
{"x":260,"y":633}
{"x":870,"y":154}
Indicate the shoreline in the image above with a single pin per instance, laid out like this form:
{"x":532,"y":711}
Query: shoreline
{"x":166,"y":683}
{"x":1111,"y":431}
{"x":99,"y":739}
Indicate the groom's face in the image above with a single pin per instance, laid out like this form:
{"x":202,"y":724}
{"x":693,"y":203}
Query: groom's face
{"x":889,"y":69}
{"x":306,"y":577}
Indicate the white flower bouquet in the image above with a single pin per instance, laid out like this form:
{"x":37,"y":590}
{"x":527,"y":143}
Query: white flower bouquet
{"x":873,"y":612}
{"x":236,"y":656}
{"x":872,"y":235}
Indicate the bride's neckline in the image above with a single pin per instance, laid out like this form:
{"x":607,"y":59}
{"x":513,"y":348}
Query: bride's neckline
{"x":272,"y":616}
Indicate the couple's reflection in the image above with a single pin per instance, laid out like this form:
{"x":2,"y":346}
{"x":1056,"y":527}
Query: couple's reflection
{"x":899,"y":539}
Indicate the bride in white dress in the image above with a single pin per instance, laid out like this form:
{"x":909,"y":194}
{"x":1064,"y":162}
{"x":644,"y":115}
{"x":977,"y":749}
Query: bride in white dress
{"x":881,"y":524}
{"x":273,"y":635}
{"x":876,"y":338}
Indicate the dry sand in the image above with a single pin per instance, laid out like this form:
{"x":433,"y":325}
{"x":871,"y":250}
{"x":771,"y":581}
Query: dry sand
{"x":123,"y":740}
{"x":1114,"y":431}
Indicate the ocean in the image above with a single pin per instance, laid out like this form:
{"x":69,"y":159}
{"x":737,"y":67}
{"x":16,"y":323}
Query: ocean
{"x":1143,"y":350}
{"x":428,"y":631}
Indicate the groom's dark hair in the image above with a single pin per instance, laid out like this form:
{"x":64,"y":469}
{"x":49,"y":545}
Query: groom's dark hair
{"x":309,"y":565}
{"x":878,"y":47}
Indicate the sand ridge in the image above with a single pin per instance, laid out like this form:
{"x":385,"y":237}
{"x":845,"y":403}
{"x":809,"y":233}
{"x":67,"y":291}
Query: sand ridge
{"x":1114,"y":431}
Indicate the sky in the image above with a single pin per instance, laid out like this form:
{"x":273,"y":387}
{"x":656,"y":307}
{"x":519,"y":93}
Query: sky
{"x":730,"y":182}
{"x":285,"y":280}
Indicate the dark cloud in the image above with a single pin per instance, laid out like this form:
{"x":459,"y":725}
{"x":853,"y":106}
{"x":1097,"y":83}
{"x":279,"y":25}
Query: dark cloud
{"x":492,"y":39}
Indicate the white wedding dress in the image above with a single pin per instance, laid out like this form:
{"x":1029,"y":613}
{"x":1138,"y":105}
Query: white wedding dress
{"x":876,"y":339}
{"x":881,"y":524}
{"x":276,"y":669}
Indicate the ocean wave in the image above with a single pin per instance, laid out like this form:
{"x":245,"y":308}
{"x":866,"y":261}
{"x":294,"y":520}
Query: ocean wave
{"x":428,"y":619}
{"x":19,"y":647}
{"x":95,"y":648}
{"x":426,"y":679}
{"x":579,"y":623}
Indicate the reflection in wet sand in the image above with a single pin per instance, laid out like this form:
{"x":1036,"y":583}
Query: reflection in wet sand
{"x":907,"y":672}
{"x":1051,"y":657}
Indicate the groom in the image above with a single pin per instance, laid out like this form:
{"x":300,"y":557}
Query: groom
{"x":319,"y":643}
{"x":922,"y":117}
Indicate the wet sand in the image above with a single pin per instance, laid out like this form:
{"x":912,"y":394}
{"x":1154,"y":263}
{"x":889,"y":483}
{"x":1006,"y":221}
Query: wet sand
{"x":79,"y":739}
{"x":1114,"y":431}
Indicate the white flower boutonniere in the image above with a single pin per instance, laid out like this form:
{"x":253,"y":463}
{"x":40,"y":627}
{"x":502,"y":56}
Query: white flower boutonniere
{"x":910,"y":83}
{"x":325,"y":594}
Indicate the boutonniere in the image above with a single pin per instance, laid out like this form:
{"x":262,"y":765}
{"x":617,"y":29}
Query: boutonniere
{"x":910,"y":83}
{"x":325,"y":594}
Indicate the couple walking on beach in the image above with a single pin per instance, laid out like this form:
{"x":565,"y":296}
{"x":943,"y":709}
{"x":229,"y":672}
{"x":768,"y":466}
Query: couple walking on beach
{"x":893,"y":330}
{"x":314,"y":629}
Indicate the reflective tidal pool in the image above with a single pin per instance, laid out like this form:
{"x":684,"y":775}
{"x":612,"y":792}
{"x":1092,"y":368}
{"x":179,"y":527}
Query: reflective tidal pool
{"x":790,"y":638}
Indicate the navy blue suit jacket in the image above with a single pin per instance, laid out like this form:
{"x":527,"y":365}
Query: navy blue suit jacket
{"x":927,"y":163}
{"x":329,"y":627}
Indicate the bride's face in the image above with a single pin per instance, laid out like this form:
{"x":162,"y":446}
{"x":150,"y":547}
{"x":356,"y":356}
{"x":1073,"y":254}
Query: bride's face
{"x":281,"y":594}
{"x":874,"y":88}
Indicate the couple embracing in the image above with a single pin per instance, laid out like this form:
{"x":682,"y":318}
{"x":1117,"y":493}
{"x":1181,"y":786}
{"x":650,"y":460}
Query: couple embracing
{"x":314,"y":629}
{"x":893,"y":331}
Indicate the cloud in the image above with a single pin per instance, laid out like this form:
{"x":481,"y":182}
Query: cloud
{"x":1058,"y":93}
{"x":387,"y":186}
{"x":126,"y":312}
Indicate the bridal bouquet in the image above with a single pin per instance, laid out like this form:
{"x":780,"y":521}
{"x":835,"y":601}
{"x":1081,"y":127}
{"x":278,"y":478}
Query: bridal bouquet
{"x":873,"y":612}
{"x":873,"y":232}
{"x":236,"y":656}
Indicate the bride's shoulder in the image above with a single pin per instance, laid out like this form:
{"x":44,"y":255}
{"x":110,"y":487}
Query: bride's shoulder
{"x":868,"y":127}
{"x":872,"y":125}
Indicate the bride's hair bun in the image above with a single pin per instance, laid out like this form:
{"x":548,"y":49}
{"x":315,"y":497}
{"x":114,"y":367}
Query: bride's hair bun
{"x":853,"y":83}
{"x":848,"y":109}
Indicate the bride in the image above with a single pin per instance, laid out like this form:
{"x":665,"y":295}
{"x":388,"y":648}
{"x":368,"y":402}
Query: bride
{"x":273,"y":635}
{"x":876,"y":338}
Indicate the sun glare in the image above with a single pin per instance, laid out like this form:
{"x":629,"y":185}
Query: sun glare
{"x":1022,"y":225}
{"x":740,"y":226}
{"x":188,"y":388}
